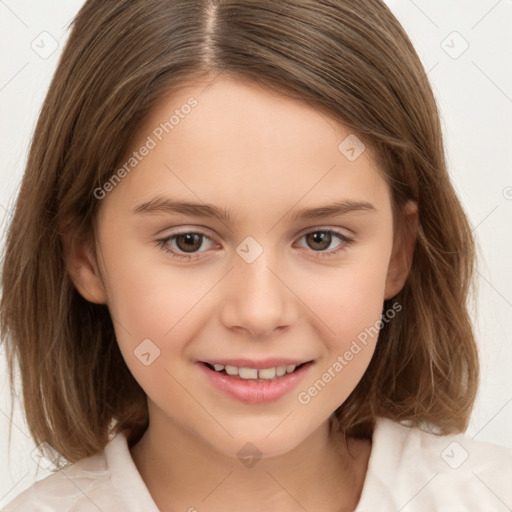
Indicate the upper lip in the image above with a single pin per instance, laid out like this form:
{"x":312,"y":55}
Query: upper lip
{"x":270,"y":362}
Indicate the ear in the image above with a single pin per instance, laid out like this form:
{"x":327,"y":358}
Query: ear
{"x":82,"y":267}
{"x":403,"y":250}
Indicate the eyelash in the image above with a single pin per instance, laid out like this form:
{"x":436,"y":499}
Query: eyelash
{"x":163,"y":243}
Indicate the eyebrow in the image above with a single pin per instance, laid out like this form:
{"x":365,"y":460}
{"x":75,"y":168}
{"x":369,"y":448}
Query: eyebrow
{"x":160,"y":205}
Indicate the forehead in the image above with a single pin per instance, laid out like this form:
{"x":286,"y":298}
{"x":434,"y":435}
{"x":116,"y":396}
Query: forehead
{"x":231,"y":113}
{"x":228,"y":141}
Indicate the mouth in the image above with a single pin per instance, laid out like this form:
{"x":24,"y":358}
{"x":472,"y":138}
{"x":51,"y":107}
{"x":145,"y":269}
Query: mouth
{"x":256,"y":382}
{"x":255,"y":371}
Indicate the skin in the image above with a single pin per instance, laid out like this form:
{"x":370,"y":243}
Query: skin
{"x":263,"y":157}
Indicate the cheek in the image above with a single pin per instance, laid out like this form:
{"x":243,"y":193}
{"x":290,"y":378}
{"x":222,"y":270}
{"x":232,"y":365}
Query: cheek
{"x":153,"y":310}
{"x":147,"y":295}
{"x":349,"y":298}
{"x":351,"y":306}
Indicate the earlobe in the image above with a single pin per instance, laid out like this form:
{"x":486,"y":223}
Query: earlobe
{"x":83,"y":269}
{"x":403,"y":251}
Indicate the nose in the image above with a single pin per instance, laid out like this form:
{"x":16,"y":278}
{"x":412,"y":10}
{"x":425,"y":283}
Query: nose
{"x":257,"y":298}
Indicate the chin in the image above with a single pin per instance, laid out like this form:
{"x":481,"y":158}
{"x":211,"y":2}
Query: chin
{"x":258,"y":443}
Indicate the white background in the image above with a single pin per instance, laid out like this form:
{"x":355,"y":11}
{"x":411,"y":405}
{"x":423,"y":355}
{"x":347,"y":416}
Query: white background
{"x":474,"y":93}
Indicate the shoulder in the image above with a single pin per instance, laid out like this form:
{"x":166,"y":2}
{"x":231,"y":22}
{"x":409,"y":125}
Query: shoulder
{"x":417,"y":469}
{"x":65,"y":490}
{"x":454,"y":450}
{"x":105,"y":481}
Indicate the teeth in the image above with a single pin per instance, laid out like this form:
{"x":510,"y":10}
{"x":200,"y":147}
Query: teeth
{"x":281,"y":370}
{"x":253,"y":373}
{"x":231,"y":370}
{"x":248,"y":373}
{"x":267,"y":373}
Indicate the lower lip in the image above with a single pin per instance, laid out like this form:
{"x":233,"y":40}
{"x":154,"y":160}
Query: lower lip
{"x":254,"y":391}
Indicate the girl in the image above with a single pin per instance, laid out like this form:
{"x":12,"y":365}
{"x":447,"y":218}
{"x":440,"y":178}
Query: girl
{"x":237,"y":272}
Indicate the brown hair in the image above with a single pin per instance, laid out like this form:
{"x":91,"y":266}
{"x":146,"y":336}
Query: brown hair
{"x":351,"y":59}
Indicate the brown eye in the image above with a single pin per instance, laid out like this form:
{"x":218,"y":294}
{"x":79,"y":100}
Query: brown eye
{"x":189,"y":242}
{"x":185,"y":245}
{"x":319,"y":240}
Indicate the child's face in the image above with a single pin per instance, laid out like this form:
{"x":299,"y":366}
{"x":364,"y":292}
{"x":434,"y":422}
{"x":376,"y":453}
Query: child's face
{"x":264,"y":159}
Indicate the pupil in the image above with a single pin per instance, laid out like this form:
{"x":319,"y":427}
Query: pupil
{"x":192,"y":242}
{"x":321,"y":238}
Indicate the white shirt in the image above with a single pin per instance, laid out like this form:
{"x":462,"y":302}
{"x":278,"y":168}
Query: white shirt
{"x":409,"y":470}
